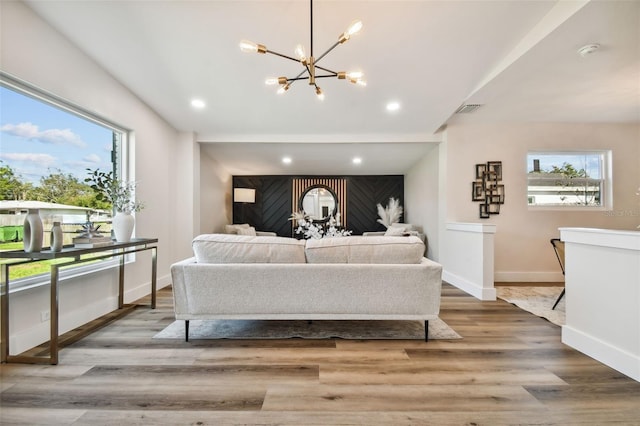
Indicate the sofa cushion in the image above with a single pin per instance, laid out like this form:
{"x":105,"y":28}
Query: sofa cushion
{"x":233,"y":229}
{"x":247,"y":231}
{"x":394,"y":231}
{"x":403,"y":226}
{"x":225,"y":248}
{"x":359,"y":249}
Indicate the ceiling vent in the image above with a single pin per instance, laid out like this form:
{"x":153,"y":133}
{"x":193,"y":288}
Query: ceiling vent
{"x":467,"y":108}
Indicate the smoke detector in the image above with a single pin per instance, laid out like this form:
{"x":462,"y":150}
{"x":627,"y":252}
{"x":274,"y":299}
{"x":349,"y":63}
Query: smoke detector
{"x":588,"y":49}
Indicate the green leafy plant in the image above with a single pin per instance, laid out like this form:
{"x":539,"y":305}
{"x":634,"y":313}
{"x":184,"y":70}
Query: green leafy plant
{"x":120,"y":194}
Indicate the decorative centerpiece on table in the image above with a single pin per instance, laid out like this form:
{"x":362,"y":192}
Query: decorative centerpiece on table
{"x":121,"y":196}
{"x":308,"y":229}
{"x":90,"y":237}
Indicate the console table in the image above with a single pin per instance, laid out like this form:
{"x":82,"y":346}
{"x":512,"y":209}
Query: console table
{"x":74,"y":254}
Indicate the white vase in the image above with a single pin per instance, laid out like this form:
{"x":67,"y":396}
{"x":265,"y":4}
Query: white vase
{"x":33,"y":232}
{"x":122,"y":225}
{"x":56,"y":237}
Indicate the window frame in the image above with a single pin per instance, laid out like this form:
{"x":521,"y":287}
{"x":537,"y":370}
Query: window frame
{"x":122,"y":169}
{"x":606,"y":192}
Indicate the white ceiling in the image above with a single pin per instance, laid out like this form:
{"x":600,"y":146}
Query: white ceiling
{"x":519,"y":58}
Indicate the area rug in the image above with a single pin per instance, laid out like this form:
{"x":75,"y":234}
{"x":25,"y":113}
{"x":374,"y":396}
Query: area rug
{"x":325,"y":329}
{"x":537,"y":300}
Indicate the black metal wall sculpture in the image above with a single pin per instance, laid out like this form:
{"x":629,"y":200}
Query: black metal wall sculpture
{"x":487,"y":188}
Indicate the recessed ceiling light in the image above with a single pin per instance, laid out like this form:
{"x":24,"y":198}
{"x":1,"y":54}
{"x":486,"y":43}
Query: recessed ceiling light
{"x":198,"y":103}
{"x":286,"y":160}
{"x":393,"y":106}
{"x":357,"y":160}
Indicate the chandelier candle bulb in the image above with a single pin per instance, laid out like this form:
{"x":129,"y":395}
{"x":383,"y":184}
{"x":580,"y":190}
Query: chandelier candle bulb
{"x":300,"y":53}
{"x":251,"y":47}
{"x":354,"y":28}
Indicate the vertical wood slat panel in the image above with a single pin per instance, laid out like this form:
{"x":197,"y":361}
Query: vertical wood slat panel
{"x":339,"y":186}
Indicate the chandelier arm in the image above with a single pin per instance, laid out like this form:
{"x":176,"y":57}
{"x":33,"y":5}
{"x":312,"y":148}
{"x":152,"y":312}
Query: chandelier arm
{"x":297,"y":78}
{"x":328,"y":50}
{"x":325,"y":76}
{"x":334,"y":74}
{"x":306,"y":66}
{"x":283,"y":56}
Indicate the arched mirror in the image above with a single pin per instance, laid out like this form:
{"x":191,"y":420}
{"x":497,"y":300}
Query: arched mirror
{"x":319,"y":202}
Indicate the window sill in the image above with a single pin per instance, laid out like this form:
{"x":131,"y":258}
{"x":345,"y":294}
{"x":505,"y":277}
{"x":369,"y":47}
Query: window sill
{"x":569,"y":208}
{"x":24,"y":284}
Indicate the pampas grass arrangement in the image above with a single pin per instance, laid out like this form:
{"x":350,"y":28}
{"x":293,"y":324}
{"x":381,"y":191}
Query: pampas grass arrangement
{"x":391,"y":213}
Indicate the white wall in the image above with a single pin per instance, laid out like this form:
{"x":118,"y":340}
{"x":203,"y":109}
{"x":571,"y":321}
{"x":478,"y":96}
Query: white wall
{"x":33,"y":51}
{"x":216,"y":198}
{"x":421,"y":206}
{"x":522,"y":248}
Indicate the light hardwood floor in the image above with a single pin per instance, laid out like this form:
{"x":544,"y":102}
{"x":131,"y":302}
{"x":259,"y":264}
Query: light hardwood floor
{"x":509,"y":368}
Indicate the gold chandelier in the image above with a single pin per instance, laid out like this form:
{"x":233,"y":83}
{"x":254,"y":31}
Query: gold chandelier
{"x":310,"y":63}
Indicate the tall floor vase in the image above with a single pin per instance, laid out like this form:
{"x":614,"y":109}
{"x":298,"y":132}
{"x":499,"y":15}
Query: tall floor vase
{"x":33,"y":231}
{"x":122,"y":225}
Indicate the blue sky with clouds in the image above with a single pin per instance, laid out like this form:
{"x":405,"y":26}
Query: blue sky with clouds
{"x":37,"y":139}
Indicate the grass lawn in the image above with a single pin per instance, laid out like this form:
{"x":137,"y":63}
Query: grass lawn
{"x":29,"y":269}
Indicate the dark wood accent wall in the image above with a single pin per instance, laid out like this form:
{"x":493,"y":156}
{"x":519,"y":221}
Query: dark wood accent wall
{"x":275,"y":198}
{"x":364,"y":193}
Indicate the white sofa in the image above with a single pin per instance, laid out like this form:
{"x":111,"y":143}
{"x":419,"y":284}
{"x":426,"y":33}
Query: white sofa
{"x":276,"y":278}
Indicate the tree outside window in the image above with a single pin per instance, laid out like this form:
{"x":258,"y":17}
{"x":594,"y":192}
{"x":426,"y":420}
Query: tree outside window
{"x":574,"y":179}
{"x":46,"y":147}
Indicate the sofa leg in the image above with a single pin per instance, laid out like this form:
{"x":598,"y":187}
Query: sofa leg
{"x":426,"y":331}
{"x":186,"y":330}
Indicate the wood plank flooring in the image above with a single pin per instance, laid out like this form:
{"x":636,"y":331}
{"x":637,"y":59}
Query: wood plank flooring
{"x":509,"y":368}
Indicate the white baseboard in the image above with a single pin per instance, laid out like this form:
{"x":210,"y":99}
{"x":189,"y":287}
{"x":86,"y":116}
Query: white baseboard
{"x":616,"y":358}
{"x":23,"y":340}
{"x":28,"y":338}
{"x":528,"y":277}
{"x":474,"y":289}
{"x":145,"y":288}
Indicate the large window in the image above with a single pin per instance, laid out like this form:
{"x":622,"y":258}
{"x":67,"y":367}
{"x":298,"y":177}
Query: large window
{"x":568,"y":179}
{"x":46,"y":147}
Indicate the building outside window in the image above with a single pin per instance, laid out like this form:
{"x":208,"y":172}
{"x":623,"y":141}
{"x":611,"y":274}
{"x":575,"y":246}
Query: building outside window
{"x":579,"y":180}
{"x":47,"y":146}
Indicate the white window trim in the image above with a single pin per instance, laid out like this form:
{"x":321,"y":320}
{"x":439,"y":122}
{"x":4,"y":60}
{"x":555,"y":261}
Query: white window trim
{"x":23,"y":284}
{"x":607,"y":173}
{"x":11,"y":82}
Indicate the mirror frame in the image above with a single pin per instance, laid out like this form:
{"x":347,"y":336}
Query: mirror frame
{"x":333,"y":194}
